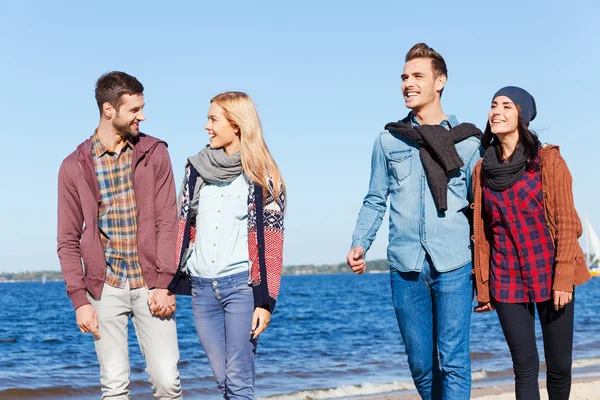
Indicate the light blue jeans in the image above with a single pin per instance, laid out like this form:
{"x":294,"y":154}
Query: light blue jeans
{"x":434,"y":316}
{"x":223,"y":309}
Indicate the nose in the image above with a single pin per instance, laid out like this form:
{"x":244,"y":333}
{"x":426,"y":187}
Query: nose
{"x":141,"y":116}
{"x":207,"y":126}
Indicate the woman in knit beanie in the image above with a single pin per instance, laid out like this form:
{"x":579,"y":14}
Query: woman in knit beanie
{"x":526,"y":253}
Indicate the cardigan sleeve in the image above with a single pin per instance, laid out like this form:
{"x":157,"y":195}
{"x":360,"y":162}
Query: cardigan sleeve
{"x":267,"y":255}
{"x":568,"y":227}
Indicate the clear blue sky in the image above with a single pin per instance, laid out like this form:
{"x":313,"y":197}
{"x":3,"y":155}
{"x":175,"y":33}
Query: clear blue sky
{"x":325,"y":76}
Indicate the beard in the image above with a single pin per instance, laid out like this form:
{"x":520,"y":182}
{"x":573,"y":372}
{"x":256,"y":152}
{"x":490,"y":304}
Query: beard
{"x":124,"y":128}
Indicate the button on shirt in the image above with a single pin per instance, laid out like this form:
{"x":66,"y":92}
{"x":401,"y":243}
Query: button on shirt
{"x":522,"y":253}
{"x":117,"y":215}
{"x":416,"y":228}
{"x":221,"y":246}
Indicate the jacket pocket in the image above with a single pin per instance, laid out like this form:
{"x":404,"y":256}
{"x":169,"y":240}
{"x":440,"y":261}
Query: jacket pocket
{"x":400,"y":164}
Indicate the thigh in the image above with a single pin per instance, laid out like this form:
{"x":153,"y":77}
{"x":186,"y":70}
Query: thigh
{"x":557,"y":330}
{"x":452,"y":298}
{"x":517,"y":322}
{"x":113,"y":310}
{"x":412,"y":302}
{"x":209,"y":317}
{"x":239,"y":308}
{"x":157,"y":337}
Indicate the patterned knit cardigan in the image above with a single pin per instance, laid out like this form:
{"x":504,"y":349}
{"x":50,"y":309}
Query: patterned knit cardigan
{"x":265,"y":238}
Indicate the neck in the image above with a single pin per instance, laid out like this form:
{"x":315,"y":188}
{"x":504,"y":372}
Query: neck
{"x":430,"y":114}
{"x":508,"y":143}
{"x":232,"y":149}
{"x":109,"y":137}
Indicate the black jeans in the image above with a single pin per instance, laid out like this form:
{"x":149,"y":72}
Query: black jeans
{"x":517,"y":322}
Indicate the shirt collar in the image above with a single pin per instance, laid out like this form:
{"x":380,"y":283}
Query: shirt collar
{"x":449,"y":123}
{"x":99,"y":149}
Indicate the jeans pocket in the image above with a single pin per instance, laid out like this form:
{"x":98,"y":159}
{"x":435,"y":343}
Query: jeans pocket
{"x":195,"y":289}
{"x":242,"y":287}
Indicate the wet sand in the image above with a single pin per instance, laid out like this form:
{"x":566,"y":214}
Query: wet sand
{"x":582,"y":389}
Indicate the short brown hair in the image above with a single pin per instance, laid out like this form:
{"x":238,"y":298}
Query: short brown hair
{"x":422,"y":50}
{"x":111,"y":86}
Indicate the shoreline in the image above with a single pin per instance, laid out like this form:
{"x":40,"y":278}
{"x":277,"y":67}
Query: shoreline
{"x":583,"y":388}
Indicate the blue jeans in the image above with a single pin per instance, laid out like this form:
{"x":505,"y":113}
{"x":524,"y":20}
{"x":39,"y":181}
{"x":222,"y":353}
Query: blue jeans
{"x":223,"y":309}
{"x":434,"y":315}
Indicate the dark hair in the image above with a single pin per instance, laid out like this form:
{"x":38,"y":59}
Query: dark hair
{"x":438,"y":65}
{"x":528,"y":138}
{"x":111,"y":86}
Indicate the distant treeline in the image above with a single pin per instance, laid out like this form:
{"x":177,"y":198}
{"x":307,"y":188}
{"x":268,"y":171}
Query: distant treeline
{"x":308,"y":269}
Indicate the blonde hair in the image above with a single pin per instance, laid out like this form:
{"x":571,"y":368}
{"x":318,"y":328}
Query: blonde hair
{"x":257,"y":162}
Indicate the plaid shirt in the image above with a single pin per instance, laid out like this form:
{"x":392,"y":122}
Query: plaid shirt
{"x":117,"y":215}
{"x":522,"y":254}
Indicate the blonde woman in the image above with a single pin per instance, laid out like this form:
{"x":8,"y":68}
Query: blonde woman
{"x":231,"y":240}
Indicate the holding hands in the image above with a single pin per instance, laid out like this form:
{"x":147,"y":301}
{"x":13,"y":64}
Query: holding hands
{"x":162,"y":302}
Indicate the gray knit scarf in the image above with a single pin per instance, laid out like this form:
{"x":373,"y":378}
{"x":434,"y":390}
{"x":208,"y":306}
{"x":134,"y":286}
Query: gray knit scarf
{"x":214,"y":166}
{"x":501,"y":175}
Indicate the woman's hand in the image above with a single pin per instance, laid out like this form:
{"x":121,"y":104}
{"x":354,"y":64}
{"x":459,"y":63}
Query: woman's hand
{"x":484,"y":307}
{"x":561,"y":299}
{"x":260,"y":321}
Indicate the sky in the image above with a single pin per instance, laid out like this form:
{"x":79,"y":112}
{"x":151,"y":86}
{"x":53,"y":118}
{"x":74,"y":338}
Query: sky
{"x":325,"y":77}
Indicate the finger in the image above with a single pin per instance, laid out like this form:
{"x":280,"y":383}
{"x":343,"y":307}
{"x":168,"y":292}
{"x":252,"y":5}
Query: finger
{"x":261,"y":329}
{"x":570,"y":297}
{"x":556,"y":299}
{"x":353,"y":263}
{"x":254,"y":323}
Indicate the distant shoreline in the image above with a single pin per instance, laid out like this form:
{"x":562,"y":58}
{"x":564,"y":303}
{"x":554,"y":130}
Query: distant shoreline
{"x":375,"y":266}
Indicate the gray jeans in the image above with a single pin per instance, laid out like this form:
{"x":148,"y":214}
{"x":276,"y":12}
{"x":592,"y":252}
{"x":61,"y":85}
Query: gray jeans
{"x":157,"y":338}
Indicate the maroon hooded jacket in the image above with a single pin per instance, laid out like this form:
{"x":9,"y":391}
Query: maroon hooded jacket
{"x":78,"y":233}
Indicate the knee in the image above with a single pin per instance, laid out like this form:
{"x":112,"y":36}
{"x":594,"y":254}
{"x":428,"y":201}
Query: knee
{"x":526,"y":367}
{"x":166,"y":383}
{"x":559,"y":368}
{"x":420,"y":367}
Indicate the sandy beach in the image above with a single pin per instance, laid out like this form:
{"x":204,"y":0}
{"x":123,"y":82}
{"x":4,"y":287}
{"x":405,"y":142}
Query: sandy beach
{"x":582,"y":389}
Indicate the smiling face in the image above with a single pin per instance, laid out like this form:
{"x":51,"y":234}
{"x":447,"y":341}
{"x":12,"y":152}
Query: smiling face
{"x":420,"y":86}
{"x":503,"y":116}
{"x":220,"y":132}
{"x":126,"y":121}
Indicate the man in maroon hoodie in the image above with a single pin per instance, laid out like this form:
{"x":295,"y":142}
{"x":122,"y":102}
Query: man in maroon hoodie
{"x":117,"y":214}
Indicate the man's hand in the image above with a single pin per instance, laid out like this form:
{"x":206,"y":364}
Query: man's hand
{"x":484,"y":307}
{"x":356,"y":261}
{"x":87,"y":320}
{"x":162,"y":302}
{"x":561,"y":299}
{"x":260,"y":321}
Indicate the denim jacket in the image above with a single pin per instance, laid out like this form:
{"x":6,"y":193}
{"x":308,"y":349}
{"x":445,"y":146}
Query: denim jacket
{"x":416,"y":228}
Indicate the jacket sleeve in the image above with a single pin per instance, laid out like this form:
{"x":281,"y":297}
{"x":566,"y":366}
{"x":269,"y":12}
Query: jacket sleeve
{"x":166,"y":220}
{"x":568,"y":227}
{"x":70,"y":229}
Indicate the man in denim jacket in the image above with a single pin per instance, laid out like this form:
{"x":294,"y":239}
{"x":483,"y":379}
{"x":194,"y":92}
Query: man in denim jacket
{"x":429,"y":249}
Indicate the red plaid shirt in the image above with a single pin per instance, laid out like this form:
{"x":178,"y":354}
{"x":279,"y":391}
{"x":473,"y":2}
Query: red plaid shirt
{"x":522,"y":256}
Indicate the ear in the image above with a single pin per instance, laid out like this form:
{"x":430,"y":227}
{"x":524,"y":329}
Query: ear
{"x":440,"y":82}
{"x":108,"y":110}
